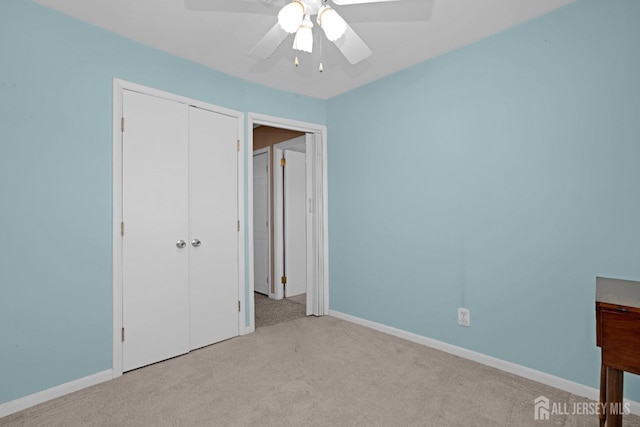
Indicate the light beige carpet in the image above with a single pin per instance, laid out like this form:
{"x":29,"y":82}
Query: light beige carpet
{"x":300,"y":299}
{"x":309,"y":372}
{"x":270,"y":311}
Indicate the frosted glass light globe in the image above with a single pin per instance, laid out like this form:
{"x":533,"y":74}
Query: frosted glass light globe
{"x":304,"y":36}
{"x":333,"y":25}
{"x":290,"y":16}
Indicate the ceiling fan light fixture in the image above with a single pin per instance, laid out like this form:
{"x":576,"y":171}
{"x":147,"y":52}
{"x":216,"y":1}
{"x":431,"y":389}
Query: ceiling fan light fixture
{"x":331,"y":23}
{"x":304,"y":36}
{"x":290,"y":17}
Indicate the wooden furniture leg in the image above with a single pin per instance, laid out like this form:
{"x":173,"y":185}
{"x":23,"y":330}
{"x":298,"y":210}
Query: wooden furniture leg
{"x":603,"y":394}
{"x":615,"y":382}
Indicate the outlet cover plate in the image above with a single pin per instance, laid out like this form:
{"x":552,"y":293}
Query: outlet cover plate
{"x":464,"y":317}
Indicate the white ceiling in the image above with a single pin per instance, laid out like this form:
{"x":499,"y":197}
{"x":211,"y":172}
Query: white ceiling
{"x":221,"y":40}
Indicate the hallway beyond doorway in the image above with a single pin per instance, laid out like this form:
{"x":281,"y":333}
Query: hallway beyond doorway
{"x":270,"y":311}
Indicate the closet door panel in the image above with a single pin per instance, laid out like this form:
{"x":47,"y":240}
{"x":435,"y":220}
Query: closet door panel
{"x":213,"y":218}
{"x":155,"y":270}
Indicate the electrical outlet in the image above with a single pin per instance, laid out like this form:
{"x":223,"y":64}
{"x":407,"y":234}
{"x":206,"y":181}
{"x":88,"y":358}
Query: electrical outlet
{"x":464,"y":317}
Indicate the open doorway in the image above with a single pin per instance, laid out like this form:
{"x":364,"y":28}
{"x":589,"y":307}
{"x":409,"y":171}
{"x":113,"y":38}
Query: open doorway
{"x":287,"y":197}
{"x":279,"y":224}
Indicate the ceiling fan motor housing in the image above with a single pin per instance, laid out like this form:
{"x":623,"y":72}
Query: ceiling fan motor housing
{"x":311,"y":6}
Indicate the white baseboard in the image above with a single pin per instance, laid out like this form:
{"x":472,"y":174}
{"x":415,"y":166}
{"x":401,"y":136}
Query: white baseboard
{"x":34,"y":399}
{"x":25,"y":402}
{"x":522,"y":371}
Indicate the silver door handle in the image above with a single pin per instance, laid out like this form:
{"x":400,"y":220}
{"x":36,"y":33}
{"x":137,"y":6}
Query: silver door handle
{"x":196,"y":243}
{"x":181,"y":244}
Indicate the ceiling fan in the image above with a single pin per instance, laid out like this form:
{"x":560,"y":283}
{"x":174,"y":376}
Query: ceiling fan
{"x":298,"y":17}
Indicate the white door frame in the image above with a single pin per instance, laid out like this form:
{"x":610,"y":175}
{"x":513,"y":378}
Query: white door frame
{"x":320,"y":285}
{"x":118,"y":87}
{"x":279,"y":151}
{"x":267,"y":151}
{"x":278,"y":224}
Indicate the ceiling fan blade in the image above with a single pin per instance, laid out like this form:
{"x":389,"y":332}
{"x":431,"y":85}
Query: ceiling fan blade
{"x":348,"y":2}
{"x":352,"y":46}
{"x":269,"y":43}
{"x":235,"y":6}
{"x":390,"y":11}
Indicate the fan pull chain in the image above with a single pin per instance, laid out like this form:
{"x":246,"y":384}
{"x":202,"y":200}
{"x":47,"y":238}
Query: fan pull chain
{"x":295,"y":62}
{"x":321,"y":67}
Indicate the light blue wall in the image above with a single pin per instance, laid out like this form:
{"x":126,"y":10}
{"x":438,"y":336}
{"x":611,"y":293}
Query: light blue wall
{"x":503,"y":177}
{"x":55,"y":183}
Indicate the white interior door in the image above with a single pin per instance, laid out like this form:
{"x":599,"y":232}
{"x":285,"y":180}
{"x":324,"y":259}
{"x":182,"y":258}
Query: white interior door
{"x":155,"y":270}
{"x":213,"y":219}
{"x":295,"y":229}
{"x":261,"y":228}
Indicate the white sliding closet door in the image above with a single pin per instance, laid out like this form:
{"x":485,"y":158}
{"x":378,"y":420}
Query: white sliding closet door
{"x":155,"y":214}
{"x":213,"y":207}
{"x":180,"y":214}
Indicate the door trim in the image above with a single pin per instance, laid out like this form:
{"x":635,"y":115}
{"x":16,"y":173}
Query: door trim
{"x":278,"y":224}
{"x":118,"y":87}
{"x":280,"y":149}
{"x":321,"y":288}
{"x":267,"y":151}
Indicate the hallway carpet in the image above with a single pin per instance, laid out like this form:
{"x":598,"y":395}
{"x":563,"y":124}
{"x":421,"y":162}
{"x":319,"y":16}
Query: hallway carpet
{"x":270,"y":311}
